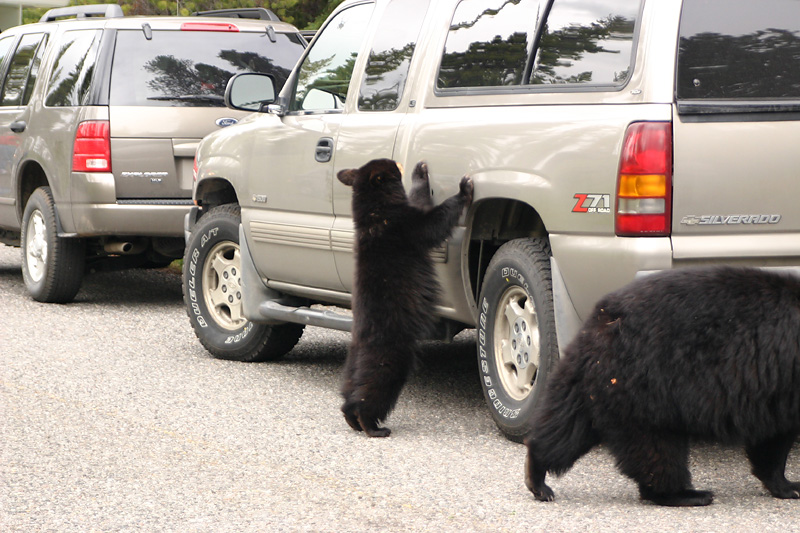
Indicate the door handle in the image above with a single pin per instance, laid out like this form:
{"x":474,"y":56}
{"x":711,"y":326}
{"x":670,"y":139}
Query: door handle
{"x":324,"y":150}
{"x":18,"y":126}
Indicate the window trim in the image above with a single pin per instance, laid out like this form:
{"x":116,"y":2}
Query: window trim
{"x":737,"y":106}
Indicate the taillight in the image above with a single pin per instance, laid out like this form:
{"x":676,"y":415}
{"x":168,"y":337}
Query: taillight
{"x":644,"y":183}
{"x":194,"y":169}
{"x":92,"y":149}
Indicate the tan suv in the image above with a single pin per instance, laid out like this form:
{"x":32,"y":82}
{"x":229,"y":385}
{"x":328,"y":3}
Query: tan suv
{"x":605,"y":139}
{"x":100,"y":117}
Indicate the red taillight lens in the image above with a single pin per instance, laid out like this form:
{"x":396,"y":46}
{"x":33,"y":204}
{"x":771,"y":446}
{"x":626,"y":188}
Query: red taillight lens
{"x":92,"y":149}
{"x":194,"y":169}
{"x":644,"y":183}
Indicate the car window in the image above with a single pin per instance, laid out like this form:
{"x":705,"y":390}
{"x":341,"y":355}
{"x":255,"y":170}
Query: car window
{"x":489,"y":43}
{"x":586,"y":43}
{"x":5,"y":46}
{"x":192,"y":68}
{"x":390,"y":57}
{"x":24,"y":63}
{"x":72,"y":68}
{"x":33,"y":75}
{"x":324,"y":76}
{"x":739,"y":49}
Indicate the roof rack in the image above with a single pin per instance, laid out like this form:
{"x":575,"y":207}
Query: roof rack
{"x":258,"y":13}
{"x":82,"y":12}
{"x":308,"y":34}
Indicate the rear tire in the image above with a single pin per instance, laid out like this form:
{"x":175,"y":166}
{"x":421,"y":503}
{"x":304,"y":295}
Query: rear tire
{"x":52,"y":266}
{"x":212,"y":293}
{"x":517,"y":342}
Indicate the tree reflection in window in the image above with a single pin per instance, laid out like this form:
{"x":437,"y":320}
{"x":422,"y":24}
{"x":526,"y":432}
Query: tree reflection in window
{"x":191,"y":69}
{"x":581,"y":43}
{"x":488,"y":46}
{"x":390,"y":58}
{"x":188,"y":82}
{"x":596,"y":51}
{"x":324,"y":76}
{"x":73,"y":68}
{"x":752,"y":52}
{"x":385,"y":79}
{"x":762,"y":64}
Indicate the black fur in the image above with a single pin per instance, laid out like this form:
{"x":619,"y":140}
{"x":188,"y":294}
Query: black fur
{"x":706,"y":353}
{"x":394,"y":288}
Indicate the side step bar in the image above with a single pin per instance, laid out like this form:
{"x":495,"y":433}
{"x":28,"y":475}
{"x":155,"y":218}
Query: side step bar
{"x":272,"y":310}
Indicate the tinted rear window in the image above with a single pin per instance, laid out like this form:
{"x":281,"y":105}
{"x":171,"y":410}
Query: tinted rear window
{"x":739,"y":49}
{"x":192,"y":68}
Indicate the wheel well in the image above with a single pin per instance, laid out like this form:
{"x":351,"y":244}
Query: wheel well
{"x":215,"y":191}
{"x":31,"y":177}
{"x":495,"y":222}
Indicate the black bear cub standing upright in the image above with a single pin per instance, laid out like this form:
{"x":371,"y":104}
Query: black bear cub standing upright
{"x":395,"y":287}
{"x":707,"y":353}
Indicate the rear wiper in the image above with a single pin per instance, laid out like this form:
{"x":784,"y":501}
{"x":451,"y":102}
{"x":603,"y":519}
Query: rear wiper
{"x":190,"y":97}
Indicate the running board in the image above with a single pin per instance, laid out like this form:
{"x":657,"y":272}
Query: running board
{"x":303,"y":315}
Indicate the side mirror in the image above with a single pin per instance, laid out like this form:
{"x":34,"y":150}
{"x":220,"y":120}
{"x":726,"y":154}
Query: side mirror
{"x":250,"y":91}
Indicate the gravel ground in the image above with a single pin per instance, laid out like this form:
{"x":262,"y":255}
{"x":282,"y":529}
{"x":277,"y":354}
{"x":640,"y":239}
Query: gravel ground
{"x":114,"y":418}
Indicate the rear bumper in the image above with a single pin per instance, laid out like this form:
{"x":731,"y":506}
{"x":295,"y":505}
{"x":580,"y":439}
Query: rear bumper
{"x":97,"y":211}
{"x":140,"y":219}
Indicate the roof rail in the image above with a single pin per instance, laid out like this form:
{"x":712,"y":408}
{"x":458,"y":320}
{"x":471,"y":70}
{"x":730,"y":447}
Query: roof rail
{"x":258,"y":13}
{"x":81,"y":12}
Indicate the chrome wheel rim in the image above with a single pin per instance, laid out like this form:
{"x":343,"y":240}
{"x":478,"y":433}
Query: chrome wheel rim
{"x":517,"y":344}
{"x":222,"y":285}
{"x":36,"y":246}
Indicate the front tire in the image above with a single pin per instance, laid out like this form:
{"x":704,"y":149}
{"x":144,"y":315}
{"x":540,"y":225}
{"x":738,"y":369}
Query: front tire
{"x":517,"y":342}
{"x":212,"y":292}
{"x":52,"y":266}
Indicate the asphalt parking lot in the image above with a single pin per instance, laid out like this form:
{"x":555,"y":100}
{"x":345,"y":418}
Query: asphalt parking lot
{"x":114,"y":418}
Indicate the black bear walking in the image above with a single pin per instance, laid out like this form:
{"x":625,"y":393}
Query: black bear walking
{"x":708,"y":353}
{"x":394,"y":288}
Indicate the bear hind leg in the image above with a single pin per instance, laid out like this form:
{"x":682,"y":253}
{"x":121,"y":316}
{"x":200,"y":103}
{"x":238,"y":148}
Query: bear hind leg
{"x":659,"y":463}
{"x":768,"y":459}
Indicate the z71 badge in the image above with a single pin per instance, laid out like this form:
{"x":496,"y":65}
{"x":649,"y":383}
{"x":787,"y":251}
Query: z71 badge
{"x":592,"y":203}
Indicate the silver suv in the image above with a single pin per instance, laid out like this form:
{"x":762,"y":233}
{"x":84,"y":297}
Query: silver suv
{"x":100,"y":117}
{"x":605,"y":139}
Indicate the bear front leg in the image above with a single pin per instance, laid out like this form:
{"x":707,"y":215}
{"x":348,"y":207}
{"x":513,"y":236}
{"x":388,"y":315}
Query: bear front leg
{"x":371,"y":427}
{"x":436,"y":225}
{"x":420,"y":195}
{"x":534,"y":478}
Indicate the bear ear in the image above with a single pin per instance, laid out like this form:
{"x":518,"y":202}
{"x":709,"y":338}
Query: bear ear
{"x":348,"y":176}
